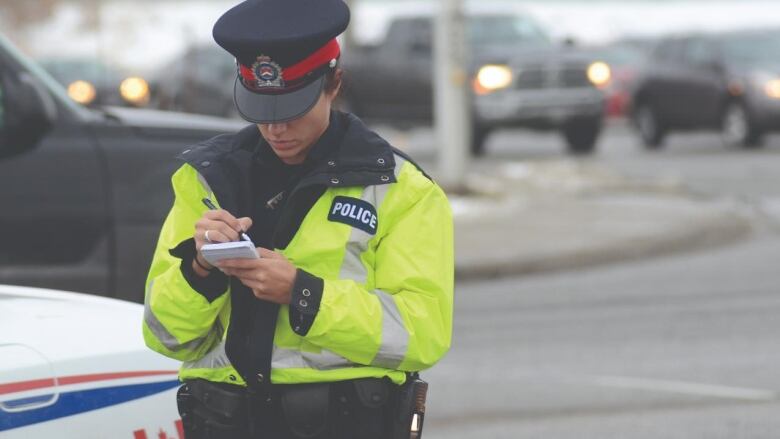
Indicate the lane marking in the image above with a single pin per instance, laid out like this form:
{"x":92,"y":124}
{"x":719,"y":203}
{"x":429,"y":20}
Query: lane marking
{"x":684,"y":387}
{"x":625,"y":382}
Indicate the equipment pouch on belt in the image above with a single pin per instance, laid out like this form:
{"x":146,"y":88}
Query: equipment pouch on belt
{"x":410,"y":409}
{"x":371,"y":392}
{"x":306,"y":407}
{"x":221,"y":400}
{"x":207,"y":408}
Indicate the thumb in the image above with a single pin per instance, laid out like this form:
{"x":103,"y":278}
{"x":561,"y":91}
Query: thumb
{"x":245,"y":223}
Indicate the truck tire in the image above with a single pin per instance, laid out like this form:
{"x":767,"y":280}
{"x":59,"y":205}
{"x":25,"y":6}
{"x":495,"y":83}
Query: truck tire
{"x":737,"y":128}
{"x":478,"y":138}
{"x":581,"y":134}
{"x":650,"y":128}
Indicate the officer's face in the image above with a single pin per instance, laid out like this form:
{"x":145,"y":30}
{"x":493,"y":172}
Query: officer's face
{"x":292,"y":140}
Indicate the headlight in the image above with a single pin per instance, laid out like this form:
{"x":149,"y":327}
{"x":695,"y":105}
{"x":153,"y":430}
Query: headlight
{"x":135,"y":91}
{"x":491,"y":78}
{"x":599,"y":74}
{"x":772,"y":88}
{"x":82,"y":92}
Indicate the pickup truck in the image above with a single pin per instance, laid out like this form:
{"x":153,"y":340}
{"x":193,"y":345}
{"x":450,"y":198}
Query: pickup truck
{"x":83,"y":192}
{"x":519,"y":78}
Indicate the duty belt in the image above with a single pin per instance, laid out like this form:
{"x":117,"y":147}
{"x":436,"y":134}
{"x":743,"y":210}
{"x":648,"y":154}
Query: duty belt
{"x":308,"y":407}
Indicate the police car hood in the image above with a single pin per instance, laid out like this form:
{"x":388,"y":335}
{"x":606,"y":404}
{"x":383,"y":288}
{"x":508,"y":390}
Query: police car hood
{"x":156,"y":120}
{"x":66,"y":327}
{"x":70,"y":363}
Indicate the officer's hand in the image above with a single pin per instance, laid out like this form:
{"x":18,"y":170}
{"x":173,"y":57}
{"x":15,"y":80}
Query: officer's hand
{"x":221,"y":227}
{"x":271,"y":277}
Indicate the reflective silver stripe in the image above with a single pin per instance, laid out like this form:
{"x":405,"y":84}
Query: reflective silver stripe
{"x":292,"y":359}
{"x":395,"y":337}
{"x":215,"y":359}
{"x":357,"y":244}
{"x":161,"y":333}
{"x":352,"y":267}
{"x":205,"y":184}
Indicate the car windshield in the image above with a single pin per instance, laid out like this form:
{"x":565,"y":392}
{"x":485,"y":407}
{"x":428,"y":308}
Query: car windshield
{"x":619,"y":55}
{"x":752,"y":47}
{"x":501,"y":30}
{"x":67,"y":71}
{"x":211,"y":64}
{"x":44,"y":76}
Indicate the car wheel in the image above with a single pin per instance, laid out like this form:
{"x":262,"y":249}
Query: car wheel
{"x":581,"y":135}
{"x":478,"y":139}
{"x":651,"y":131}
{"x":737,"y":129}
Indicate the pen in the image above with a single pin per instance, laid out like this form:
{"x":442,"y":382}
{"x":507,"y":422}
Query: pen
{"x":211,"y":206}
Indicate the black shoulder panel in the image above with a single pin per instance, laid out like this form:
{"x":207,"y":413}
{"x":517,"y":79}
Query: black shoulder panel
{"x":410,"y":160}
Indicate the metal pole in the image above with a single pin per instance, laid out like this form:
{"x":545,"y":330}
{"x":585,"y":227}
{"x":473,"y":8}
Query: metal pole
{"x":451,"y":102}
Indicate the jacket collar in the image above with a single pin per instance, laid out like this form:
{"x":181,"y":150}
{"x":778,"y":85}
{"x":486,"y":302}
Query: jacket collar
{"x":360,"y":158}
{"x":325,"y":146}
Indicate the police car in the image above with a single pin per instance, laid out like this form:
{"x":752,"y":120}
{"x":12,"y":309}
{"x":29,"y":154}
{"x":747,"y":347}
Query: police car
{"x":75,"y":366}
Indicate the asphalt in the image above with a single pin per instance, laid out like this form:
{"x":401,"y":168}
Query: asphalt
{"x":534,"y":217}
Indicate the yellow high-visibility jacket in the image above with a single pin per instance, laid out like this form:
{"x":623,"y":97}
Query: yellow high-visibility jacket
{"x":375,"y":247}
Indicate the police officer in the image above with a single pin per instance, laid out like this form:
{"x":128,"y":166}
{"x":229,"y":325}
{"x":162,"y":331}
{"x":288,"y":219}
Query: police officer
{"x":322,"y":336}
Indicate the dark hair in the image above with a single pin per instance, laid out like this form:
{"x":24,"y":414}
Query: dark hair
{"x":333,"y":79}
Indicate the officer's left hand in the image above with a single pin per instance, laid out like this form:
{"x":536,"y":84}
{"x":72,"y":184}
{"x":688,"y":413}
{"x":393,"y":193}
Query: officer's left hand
{"x":271,"y":277}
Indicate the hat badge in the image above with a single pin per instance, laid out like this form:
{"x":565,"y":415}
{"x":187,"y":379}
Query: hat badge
{"x":267,"y":73}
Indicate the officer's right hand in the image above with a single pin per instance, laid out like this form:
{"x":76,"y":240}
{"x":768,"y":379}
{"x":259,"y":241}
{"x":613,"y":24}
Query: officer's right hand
{"x":221,"y":227}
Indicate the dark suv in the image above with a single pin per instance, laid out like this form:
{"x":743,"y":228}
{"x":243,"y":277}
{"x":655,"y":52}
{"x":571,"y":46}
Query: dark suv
{"x":519,"y":78}
{"x":728,"y":82}
{"x":203,"y":85}
{"x":83,"y":192}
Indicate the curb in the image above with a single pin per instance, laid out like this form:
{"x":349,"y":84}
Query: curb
{"x":699,"y":225}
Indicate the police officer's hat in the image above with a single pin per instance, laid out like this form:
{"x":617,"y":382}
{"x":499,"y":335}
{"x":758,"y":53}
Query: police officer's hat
{"x":283,"y":49}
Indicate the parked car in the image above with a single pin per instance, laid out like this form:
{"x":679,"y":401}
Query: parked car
{"x":728,"y":82}
{"x":519,"y":78}
{"x":84,"y":191}
{"x":626,"y":60}
{"x":75,"y":366}
{"x":91,"y":82}
{"x":200,"y":81}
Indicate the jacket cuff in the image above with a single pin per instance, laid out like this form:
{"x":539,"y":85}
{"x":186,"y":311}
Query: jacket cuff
{"x":211,"y":286}
{"x":305,"y":301}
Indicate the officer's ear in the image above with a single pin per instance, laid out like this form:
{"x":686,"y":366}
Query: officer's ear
{"x":333,"y":83}
{"x":338,"y":79}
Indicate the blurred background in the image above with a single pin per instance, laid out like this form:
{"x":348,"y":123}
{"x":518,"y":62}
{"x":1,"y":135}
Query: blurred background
{"x":617,"y":205}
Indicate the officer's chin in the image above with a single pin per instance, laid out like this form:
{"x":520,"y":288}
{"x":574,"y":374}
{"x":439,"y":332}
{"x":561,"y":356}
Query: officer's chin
{"x":292,"y":156}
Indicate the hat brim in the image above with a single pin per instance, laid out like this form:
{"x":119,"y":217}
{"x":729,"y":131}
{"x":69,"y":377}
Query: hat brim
{"x":276,"y":108}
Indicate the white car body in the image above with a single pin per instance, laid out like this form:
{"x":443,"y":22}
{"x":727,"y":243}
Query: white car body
{"x":75,"y":366}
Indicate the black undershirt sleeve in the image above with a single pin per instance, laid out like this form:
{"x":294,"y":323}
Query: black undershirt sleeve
{"x":211,"y":286}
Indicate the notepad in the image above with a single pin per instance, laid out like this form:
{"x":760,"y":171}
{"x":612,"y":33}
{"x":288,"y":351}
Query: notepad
{"x":229,"y":250}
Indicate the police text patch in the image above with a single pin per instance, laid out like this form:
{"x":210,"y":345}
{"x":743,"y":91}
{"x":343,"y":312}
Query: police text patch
{"x":354,"y":212}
